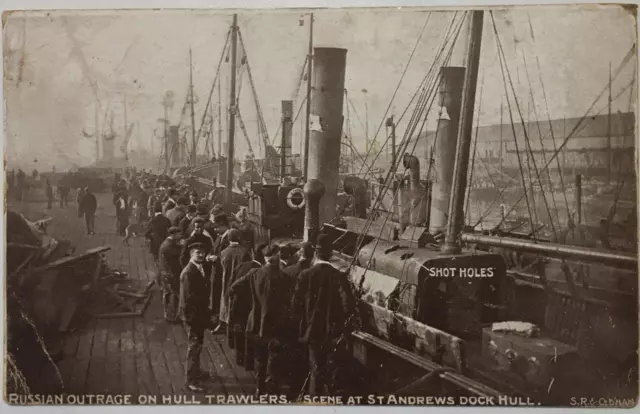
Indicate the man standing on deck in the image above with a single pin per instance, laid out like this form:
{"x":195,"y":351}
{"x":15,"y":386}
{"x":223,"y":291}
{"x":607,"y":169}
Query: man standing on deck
{"x":322,"y":304}
{"x":176,"y":214}
{"x":240,"y":307}
{"x":171,"y":201}
{"x":170,"y":269}
{"x":230,"y":259}
{"x":63,"y":192}
{"x":187,"y":221}
{"x":49,"y":191}
{"x":197,"y":236}
{"x":298,"y":358}
{"x":221,"y":228}
{"x":157,"y":231}
{"x":194,"y":288}
{"x":268,"y":322}
{"x":155,"y":198}
{"x":88,"y":206}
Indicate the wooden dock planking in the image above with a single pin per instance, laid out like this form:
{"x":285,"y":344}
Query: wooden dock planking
{"x":136,"y":356}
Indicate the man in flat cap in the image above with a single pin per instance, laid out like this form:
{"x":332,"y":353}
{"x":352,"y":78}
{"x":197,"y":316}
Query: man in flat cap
{"x":197,"y":236}
{"x":194,"y":302}
{"x":322,"y":303}
{"x":157,"y":231}
{"x":170,"y":269}
{"x":230,"y":259}
{"x":268,"y":322}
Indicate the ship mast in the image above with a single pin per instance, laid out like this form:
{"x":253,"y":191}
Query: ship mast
{"x":456,"y":205}
{"x":609,"y":132}
{"x":232,"y":111}
{"x":193,"y":119}
{"x":305,"y":158}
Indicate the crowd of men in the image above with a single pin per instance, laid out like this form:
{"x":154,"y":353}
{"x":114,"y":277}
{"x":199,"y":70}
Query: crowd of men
{"x":283,"y":313}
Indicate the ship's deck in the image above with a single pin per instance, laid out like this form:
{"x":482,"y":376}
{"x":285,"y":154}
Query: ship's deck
{"x":133,"y":356}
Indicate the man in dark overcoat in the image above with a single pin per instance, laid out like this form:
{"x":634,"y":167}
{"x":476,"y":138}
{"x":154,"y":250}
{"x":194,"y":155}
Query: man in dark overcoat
{"x":268,"y":322}
{"x":322,"y":305}
{"x":240,"y":307}
{"x":170,"y":269}
{"x":230,"y":258}
{"x":157,"y":231}
{"x":194,"y":301}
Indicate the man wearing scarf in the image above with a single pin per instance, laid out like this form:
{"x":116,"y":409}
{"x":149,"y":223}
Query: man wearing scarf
{"x":221,"y":227}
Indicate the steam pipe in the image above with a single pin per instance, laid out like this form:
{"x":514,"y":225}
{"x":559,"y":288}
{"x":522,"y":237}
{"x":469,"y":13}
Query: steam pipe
{"x":552,"y":249}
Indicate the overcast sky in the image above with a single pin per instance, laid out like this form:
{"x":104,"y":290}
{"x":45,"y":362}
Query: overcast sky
{"x":142,"y":54}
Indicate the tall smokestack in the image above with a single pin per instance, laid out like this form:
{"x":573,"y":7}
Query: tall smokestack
{"x":451,"y":83}
{"x":326,"y":125}
{"x":313,"y":192}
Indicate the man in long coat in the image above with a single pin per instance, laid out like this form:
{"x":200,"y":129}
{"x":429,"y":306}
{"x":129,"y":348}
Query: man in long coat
{"x":322,"y":305}
{"x":157,"y":231}
{"x":221,"y":228}
{"x":170,"y":269}
{"x":194,"y":301}
{"x":240,"y":307}
{"x":269,"y":321}
{"x":230,"y":259}
{"x":298,"y":360}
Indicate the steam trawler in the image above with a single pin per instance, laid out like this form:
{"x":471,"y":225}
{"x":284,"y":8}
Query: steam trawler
{"x":482,"y":314}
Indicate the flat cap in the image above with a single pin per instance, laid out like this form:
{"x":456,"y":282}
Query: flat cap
{"x":196,"y":245}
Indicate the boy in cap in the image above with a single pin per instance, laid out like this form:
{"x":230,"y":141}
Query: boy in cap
{"x":170,"y":269}
{"x":194,"y":301}
{"x":321,"y":305}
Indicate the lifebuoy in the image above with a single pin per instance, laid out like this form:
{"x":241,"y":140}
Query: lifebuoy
{"x":291,"y":195}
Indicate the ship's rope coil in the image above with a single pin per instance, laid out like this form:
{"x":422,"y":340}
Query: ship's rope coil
{"x":296,"y":193}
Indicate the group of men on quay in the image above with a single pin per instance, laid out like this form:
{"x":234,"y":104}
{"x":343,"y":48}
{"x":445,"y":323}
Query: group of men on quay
{"x":283,"y":311}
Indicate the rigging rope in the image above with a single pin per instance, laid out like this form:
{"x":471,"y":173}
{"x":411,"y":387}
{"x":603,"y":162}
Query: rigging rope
{"x":401,"y":78}
{"x":515,"y":137}
{"x":213,"y":85}
{"x":428,"y":76}
{"x":580,"y":124}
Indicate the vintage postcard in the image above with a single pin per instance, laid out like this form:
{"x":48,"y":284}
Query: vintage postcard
{"x":365,"y":206}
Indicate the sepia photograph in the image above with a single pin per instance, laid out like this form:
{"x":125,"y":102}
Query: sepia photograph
{"x":411,"y":206}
